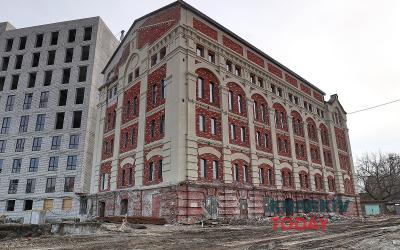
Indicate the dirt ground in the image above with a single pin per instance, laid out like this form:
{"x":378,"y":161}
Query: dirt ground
{"x":370,"y":234}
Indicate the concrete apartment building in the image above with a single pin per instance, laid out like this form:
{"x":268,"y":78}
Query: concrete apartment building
{"x":49,"y":76}
{"x":195,"y":122}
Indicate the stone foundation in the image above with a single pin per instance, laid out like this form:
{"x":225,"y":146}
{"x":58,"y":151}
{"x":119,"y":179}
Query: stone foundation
{"x":191,"y":202}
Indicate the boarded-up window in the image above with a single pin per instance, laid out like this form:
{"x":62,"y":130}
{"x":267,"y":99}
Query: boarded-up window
{"x":48,"y":204}
{"x":67,"y":204}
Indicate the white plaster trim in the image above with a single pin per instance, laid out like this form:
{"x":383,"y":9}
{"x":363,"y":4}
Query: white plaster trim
{"x":285,"y":165}
{"x":240,"y":156}
{"x":209,"y":150}
{"x":303,"y":168}
{"x":154,"y":152}
{"x":265,"y":161}
{"x":316,"y":171}
{"x":346,"y":176}
{"x":127,"y":160}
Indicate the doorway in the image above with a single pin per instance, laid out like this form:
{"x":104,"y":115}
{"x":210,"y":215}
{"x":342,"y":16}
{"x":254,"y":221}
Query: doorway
{"x":102,"y":208}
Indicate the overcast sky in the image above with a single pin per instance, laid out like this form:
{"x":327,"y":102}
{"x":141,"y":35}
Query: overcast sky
{"x":346,"y":47}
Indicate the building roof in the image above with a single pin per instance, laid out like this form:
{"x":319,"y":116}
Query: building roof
{"x":221,"y":27}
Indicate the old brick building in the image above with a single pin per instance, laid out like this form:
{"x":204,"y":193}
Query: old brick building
{"x":195,"y":122}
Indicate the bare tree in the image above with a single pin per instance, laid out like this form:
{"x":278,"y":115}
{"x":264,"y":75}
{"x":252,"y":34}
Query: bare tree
{"x":379,"y":175}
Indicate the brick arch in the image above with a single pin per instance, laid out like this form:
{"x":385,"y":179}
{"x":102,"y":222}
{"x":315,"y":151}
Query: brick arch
{"x":297,"y":123}
{"x":265,"y":170}
{"x":260,"y":108}
{"x":280,"y":116}
{"x":208,"y":76}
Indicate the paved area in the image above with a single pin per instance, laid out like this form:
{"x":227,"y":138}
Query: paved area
{"x":370,"y":234}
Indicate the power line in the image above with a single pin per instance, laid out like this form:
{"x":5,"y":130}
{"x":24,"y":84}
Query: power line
{"x":380,"y":105}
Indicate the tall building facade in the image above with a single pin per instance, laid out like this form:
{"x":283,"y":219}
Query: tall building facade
{"x":49,"y":76}
{"x":194,"y":122}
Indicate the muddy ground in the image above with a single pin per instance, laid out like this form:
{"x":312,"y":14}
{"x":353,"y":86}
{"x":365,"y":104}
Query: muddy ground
{"x":370,"y":234}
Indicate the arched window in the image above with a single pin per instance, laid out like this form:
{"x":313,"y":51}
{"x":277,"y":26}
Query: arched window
{"x":297,"y":123}
{"x":260,"y":108}
{"x":324,"y":134}
{"x":280,"y":117}
{"x":331,"y":184}
{"x":318,"y":182}
{"x":312,"y":130}
{"x":207,"y":87}
{"x":209,"y":168}
{"x":237,"y":99}
{"x":287,"y":180}
{"x":266,"y":175}
{"x":304,"y":180}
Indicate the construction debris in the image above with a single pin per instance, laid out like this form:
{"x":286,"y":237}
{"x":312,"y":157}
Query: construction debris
{"x":134,"y":219}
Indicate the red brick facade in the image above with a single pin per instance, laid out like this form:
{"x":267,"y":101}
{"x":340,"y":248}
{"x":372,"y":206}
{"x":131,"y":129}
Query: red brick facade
{"x":154,"y":130}
{"x":108,"y":147}
{"x":130,"y":109}
{"x":305,"y":89}
{"x":155,"y":85}
{"x":255,"y":58}
{"x":105,"y":169}
{"x":157,"y":25}
{"x":208,"y":116}
{"x":128,"y":138}
{"x":208,"y":174}
{"x":290,"y":79}
{"x":153,"y":169}
{"x":229,"y":43}
{"x":126,"y":175}
{"x":205,"y":29}
{"x":110,"y":119}
{"x":274,"y":70}
{"x":208,"y":79}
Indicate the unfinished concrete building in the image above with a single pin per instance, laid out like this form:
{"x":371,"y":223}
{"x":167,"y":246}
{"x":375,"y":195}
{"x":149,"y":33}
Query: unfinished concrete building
{"x":49,"y":78}
{"x":194,"y":122}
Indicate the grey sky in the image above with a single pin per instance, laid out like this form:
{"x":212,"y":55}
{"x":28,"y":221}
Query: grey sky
{"x":346,"y":47}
